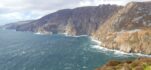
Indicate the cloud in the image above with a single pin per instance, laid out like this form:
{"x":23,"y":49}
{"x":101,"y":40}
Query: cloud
{"x":98,"y":2}
{"x":18,"y":10}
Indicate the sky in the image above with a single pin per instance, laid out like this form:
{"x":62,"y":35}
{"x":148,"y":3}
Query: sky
{"x":19,"y":10}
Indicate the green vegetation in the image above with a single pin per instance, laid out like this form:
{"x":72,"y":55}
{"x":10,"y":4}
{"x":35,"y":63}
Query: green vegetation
{"x":147,"y":67}
{"x":138,"y":64}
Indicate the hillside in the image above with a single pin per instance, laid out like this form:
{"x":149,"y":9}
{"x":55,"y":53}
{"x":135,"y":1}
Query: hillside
{"x":138,"y":64}
{"x":78,"y":21}
{"x":129,"y":30}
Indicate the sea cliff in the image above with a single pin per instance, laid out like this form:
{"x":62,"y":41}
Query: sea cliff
{"x":128,"y":30}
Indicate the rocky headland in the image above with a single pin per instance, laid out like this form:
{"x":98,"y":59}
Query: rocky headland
{"x":129,"y":30}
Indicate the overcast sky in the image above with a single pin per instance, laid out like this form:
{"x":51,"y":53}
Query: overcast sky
{"x":18,"y":10}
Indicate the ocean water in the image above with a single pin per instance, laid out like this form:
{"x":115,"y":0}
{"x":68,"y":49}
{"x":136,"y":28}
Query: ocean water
{"x":29,"y":51}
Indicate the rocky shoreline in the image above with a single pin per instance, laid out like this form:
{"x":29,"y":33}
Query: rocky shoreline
{"x":102,"y":46}
{"x":127,"y":30}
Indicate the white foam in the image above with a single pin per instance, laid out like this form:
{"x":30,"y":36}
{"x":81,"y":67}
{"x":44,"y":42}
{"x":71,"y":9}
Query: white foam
{"x":38,"y":33}
{"x":84,"y":67}
{"x":100,"y":48}
{"x":94,"y":40}
{"x":80,"y":36}
{"x":116,"y":52}
{"x":74,"y":35}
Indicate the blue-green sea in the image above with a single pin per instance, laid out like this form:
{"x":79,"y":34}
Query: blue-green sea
{"x":29,"y":51}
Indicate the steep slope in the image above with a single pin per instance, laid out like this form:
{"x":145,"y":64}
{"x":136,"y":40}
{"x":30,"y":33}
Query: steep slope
{"x":129,"y":30}
{"x":78,"y":21}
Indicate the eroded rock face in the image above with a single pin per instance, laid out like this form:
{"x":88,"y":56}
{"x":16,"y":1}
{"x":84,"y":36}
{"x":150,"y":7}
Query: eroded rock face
{"x":138,"y":64}
{"x":129,"y":30}
{"x":78,"y":21}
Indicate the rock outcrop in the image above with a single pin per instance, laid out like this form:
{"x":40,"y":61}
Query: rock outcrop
{"x":138,"y":64}
{"x":78,"y":21}
{"x":128,"y":30}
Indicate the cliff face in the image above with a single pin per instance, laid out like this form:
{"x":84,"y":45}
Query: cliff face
{"x":129,"y":29}
{"x":78,"y":21}
{"x":138,"y":64}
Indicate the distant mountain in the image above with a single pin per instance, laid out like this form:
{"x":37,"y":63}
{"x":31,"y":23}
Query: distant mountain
{"x":128,"y":30}
{"x":16,"y":24}
{"x":78,"y":21}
